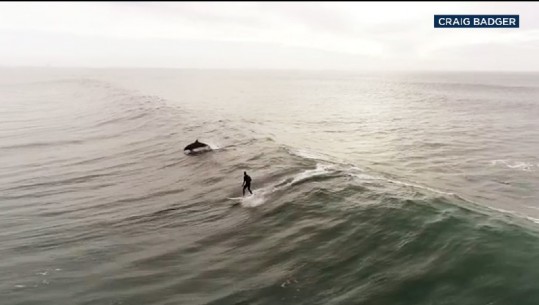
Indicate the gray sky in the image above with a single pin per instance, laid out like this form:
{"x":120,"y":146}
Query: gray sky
{"x":338,"y":36}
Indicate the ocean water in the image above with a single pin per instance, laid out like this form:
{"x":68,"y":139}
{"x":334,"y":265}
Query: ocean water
{"x":373,"y":188}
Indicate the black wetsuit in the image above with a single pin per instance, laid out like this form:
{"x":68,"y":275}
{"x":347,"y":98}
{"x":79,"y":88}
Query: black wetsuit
{"x":246,"y":184}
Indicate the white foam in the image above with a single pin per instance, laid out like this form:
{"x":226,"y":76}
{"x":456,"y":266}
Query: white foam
{"x":535,"y":220}
{"x":308,"y":154}
{"x":259,"y":195}
{"x":254,"y":200}
{"x":363,"y":176}
{"x":502,"y":210}
{"x":513,"y":213}
{"x":419,"y":186}
{"x":214,"y":145}
{"x":518,"y":165}
{"x":20,"y":286}
{"x":321,"y":169}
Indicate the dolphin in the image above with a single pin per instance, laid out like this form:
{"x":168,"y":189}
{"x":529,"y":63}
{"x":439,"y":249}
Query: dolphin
{"x":196,"y":147}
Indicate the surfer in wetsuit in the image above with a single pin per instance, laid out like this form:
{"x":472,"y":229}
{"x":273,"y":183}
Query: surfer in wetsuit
{"x":246,"y":183}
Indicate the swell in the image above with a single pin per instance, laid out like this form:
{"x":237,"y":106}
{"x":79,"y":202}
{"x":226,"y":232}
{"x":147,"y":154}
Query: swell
{"x":330,"y":164}
{"x":48,"y":180}
{"x":157,"y":226}
{"x":379,"y":251}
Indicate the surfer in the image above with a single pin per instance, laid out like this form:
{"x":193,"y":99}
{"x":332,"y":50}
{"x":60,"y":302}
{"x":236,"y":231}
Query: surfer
{"x":246,"y":183}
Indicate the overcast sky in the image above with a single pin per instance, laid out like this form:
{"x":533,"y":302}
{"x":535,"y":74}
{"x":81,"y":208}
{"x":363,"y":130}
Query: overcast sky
{"x":337,"y":36}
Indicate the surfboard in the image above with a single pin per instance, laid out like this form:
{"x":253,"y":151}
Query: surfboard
{"x":239,"y":200}
{"x":235,"y":198}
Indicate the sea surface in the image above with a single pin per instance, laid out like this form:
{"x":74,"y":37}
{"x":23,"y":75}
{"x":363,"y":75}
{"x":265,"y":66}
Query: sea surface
{"x":369,"y":188}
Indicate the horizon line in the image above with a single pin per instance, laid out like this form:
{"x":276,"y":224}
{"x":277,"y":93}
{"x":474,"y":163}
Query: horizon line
{"x":256,"y":69}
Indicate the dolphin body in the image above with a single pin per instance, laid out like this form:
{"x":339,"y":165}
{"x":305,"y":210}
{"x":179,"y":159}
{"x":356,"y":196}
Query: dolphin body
{"x":196,"y":147}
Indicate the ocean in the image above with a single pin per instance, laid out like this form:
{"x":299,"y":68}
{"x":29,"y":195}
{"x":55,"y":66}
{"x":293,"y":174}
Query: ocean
{"x":369,"y":188}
